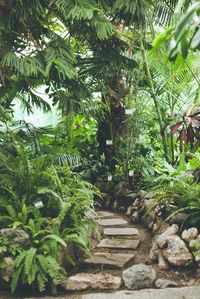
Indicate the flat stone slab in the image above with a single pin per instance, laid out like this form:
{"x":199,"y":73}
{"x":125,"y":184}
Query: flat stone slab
{"x":127,"y":231}
{"x":109,"y":260}
{"x":119,"y":244}
{"x":192,"y":292}
{"x":105,"y":214}
{"x":111,"y":222}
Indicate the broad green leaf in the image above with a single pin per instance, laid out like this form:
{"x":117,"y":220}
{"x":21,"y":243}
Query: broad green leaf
{"x":57,"y":238}
{"x":161,"y":38}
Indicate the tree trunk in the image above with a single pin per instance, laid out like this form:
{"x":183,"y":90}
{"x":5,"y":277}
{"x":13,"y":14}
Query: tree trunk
{"x":111,"y":126}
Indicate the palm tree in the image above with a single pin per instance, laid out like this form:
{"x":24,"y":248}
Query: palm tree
{"x":74,"y":48}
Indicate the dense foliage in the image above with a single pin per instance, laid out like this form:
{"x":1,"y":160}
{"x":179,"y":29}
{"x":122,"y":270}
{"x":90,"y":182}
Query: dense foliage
{"x":124,"y":78}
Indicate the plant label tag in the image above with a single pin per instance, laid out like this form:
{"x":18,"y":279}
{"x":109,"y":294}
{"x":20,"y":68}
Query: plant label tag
{"x":38,"y":204}
{"x":109,"y":178}
{"x":109,"y":142}
{"x":131,"y":172}
{"x":128,"y":111}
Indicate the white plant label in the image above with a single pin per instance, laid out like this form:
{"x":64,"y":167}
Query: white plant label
{"x":109,"y":142}
{"x":109,"y":178}
{"x":131,"y":172}
{"x":38,"y":204}
{"x":129,"y":111}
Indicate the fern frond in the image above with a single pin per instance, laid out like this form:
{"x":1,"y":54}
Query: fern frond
{"x":30,"y":255}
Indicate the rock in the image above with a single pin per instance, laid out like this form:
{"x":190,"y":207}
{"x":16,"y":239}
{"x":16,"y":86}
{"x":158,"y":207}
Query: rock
{"x":115,"y":205}
{"x":148,"y":208}
{"x":134,"y":196}
{"x":177,"y":252}
{"x":108,"y":203}
{"x":163,"y":226}
{"x":105,"y":187}
{"x":150,"y":203}
{"x":16,"y":236}
{"x":153,"y":255}
{"x":189,"y":234}
{"x":149,"y":195}
{"x":99,"y":281}
{"x":129,"y":211}
{"x":139,"y":276}
{"x":135,"y":217}
{"x":128,"y":199}
{"x":178,"y":218}
{"x":165,"y":283}
{"x":142,"y":193}
{"x":162,"y":263}
{"x":136,"y":202}
{"x":91,"y":214}
{"x":8,"y":268}
{"x":121,"y":190}
{"x":122,"y":209}
{"x":147,"y":220}
{"x":162,"y":239}
{"x":155,"y":228}
{"x":109,"y":187}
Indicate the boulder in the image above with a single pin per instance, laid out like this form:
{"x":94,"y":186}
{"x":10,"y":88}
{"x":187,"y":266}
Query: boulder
{"x":99,"y":281}
{"x":16,"y":236}
{"x":177,"y":252}
{"x":189,"y":234}
{"x":139,"y":277}
{"x":165,"y":283}
{"x":162,"y":239}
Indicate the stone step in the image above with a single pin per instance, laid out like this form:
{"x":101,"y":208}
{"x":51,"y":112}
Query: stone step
{"x":111,"y":222}
{"x":105,"y":214}
{"x":109,"y":260}
{"x":119,"y":244}
{"x":127,"y":231}
{"x":92,"y":281}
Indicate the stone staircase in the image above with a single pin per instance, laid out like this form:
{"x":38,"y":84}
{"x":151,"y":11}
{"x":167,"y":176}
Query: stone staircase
{"x":115,"y":252}
{"x":117,"y":248}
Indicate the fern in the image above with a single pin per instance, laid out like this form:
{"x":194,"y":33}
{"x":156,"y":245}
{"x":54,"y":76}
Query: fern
{"x":30,"y":255}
